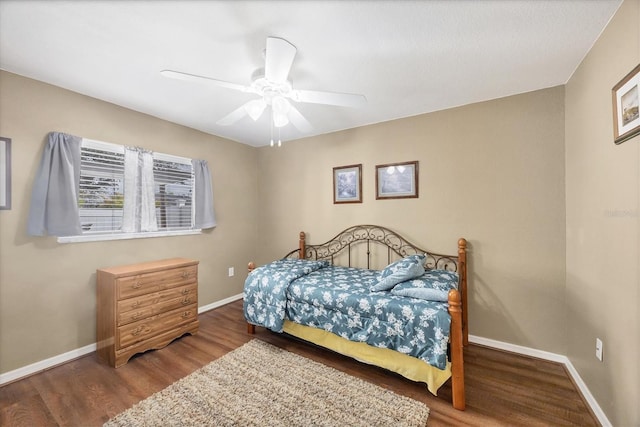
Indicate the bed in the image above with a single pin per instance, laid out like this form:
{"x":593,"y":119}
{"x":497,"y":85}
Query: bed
{"x":370,"y":294}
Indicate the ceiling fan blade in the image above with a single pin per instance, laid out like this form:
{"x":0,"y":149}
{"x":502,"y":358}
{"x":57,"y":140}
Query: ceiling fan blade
{"x":206,"y":80}
{"x":329,"y":98}
{"x":278,"y":59}
{"x":233,"y":116}
{"x":298,"y":120}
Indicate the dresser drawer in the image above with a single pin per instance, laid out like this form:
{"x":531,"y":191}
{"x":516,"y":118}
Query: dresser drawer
{"x":143,"y":306}
{"x":147,"y":328}
{"x":141,"y":284}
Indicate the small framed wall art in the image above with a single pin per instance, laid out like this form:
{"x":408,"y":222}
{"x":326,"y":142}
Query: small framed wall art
{"x":626,"y":106}
{"x":397,"y":180}
{"x":347,"y":184}
{"x":5,"y":173}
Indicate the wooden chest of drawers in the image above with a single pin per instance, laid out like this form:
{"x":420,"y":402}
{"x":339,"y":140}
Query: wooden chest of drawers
{"x":145,"y":306}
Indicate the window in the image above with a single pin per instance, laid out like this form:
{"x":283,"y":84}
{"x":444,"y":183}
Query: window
{"x":101,"y":197}
{"x":101,"y":192}
{"x":88,"y":190}
{"x":173,"y":181}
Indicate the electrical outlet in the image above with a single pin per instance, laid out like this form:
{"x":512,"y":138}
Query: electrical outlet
{"x":231,"y":272}
{"x":599,"y":349}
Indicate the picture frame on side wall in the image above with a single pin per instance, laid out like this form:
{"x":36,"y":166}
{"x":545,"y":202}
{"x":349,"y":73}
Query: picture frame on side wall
{"x":347,"y":184}
{"x":5,"y":173}
{"x":397,"y":180}
{"x":626,"y":107}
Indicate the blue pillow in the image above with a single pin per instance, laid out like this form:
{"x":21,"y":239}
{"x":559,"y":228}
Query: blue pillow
{"x":399,"y":271}
{"x":433,"y":285}
{"x":422,"y":293}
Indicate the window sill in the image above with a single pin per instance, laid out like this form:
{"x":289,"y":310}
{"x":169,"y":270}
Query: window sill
{"x":125,"y":236}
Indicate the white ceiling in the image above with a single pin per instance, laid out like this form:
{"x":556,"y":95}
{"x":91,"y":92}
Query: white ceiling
{"x":406,"y":57}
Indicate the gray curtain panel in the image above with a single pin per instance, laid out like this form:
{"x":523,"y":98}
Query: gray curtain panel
{"x":204,"y":216}
{"x":54,"y":197}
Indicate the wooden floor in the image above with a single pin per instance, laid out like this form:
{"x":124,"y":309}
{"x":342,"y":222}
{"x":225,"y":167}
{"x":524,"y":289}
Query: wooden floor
{"x":502,"y":388}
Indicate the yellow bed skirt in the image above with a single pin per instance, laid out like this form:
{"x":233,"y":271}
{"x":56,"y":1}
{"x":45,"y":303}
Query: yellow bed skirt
{"x":407,"y":366}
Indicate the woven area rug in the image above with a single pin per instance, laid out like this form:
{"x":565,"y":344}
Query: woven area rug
{"x":259,"y":384}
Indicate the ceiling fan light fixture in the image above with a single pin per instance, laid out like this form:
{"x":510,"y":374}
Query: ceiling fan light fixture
{"x":280,"y":105}
{"x":280,"y":108}
{"x":255,"y":108}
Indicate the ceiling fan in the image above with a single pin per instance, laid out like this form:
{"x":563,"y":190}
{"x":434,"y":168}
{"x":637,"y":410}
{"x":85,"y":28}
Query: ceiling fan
{"x":274,"y":90}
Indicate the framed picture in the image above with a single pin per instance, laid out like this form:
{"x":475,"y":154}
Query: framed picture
{"x":397,"y":180}
{"x":347,"y":184}
{"x":5,"y":173}
{"x":626,"y":117}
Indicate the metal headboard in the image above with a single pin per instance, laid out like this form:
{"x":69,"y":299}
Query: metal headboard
{"x":369,"y":235}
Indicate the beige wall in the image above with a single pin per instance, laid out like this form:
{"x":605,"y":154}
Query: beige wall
{"x":492,"y":172}
{"x":602,"y":186}
{"x":47,"y":290}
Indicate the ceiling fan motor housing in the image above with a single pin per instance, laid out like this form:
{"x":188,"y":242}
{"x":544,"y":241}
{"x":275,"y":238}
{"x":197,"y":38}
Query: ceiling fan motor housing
{"x":269,"y":89}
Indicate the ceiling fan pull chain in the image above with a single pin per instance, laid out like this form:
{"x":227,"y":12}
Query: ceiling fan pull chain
{"x":271,"y":126}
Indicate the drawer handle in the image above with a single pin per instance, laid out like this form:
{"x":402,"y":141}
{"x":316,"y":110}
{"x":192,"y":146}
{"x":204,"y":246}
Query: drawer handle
{"x":186,"y":301}
{"x":136,"y":316}
{"x":185,"y":274}
{"x":136,"y":304}
{"x":136,"y":285}
{"x":185,"y":291}
{"x":140,"y":329}
{"x":186,"y":314}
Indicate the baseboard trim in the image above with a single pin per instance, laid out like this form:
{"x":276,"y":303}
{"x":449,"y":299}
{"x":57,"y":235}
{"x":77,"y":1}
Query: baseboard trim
{"x":219,"y":303}
{"x":43,"y":365}
{"x":553,"y":357}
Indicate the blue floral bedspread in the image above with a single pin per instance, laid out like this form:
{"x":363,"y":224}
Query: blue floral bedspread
{"x":339,"y":300}
{"x":265,"y":290}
